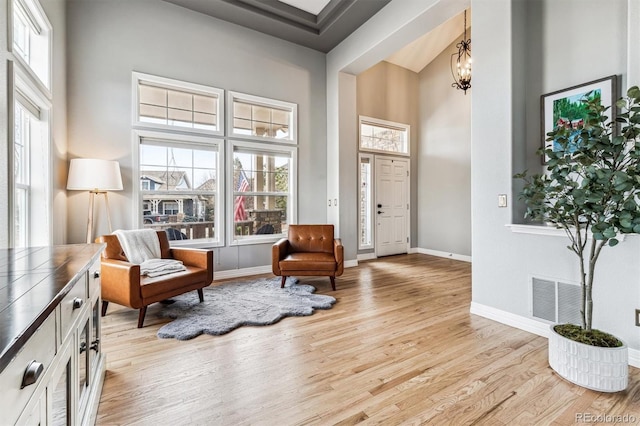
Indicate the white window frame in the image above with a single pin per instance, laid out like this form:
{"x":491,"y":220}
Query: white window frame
{"x":371,"y":209}
{"x":266,"y":102}
{"x":189,"y":141}
{"x":27,"y":92}
{"x":292,"y":202}
{"x":362,"y":119}
{"x":169,"y":83}
{"x":39,"y":24}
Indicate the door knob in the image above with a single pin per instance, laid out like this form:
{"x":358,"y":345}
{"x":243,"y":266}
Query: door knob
{"x":379,"y":205}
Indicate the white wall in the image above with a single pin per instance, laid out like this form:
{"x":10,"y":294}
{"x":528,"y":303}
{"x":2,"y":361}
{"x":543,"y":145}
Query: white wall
{"x":503,"y":261}
{"x":444,"y":165}
{"x":107,"y":40}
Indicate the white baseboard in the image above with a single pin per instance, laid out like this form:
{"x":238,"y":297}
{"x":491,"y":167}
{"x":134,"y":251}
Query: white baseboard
{"x":350,"y":263}
{"x":413,"y":250}
{"x":367,"y":256}
{"x":532,"y":326}
{"x":439,"y":253}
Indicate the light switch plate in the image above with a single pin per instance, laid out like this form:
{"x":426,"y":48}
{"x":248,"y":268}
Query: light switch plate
{"x":502,"y":200}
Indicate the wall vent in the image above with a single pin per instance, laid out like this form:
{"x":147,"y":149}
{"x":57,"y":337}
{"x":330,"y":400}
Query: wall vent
{"x":555,"y":301}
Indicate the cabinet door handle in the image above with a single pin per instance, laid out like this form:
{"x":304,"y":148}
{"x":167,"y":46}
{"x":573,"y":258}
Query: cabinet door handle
{"x":31,"y":374}
{"x":95,"y":344}
{"x":96,"y":275}
{"x":77,"y":303}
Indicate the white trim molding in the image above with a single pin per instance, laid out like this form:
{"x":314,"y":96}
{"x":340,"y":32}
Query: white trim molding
{"x":367,"y":256}
{"x":243,"y":272}
{"x":530,"y":325}
{"x":351,"y":263}
{"x":439,"y":253}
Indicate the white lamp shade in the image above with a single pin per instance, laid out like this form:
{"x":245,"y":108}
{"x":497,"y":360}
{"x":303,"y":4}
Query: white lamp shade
{"x":88,"y":174}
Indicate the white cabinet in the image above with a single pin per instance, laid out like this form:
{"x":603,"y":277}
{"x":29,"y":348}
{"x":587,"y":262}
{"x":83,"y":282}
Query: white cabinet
{"x":56,"y":376}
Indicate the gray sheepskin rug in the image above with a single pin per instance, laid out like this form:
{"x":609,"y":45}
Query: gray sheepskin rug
{"x":234,"y":304}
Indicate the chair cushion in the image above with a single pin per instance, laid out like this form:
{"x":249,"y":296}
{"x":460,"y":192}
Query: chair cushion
{"x":171,"y":283}
{"x":308,"y":261}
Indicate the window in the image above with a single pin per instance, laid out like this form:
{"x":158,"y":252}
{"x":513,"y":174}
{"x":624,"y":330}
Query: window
{"x":253,"y":117}
{"x":182,"y":178}
{"x":162,"y":102}
{"x":29,"y":77}
{"x":366,"y":203}
{"x":21,"y":176}
{"x":31,"y":180}
{"x":180,"y":183}
{"x":262,"y":191}
{"x":32,"y":39}
{"x":384,"y":136}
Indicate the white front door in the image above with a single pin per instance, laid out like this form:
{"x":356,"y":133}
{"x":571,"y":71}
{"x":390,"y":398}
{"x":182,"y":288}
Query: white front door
{"x":391,"y":206}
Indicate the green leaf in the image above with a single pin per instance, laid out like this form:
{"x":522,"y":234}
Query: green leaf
{"x":633,"y":92}
{"x":613,"y":242}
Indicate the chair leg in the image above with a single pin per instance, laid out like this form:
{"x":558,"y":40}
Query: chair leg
{"x":201,"y":295}
{"x":104,"y":307}
{"x":143,"y":312}
{"x":284,"y":280}
{"x":333,"y":282}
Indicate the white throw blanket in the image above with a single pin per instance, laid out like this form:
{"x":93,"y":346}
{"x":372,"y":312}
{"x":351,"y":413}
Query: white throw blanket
{"x":157,"y":267}
{"x":141,"y":247}
{"x":139,"y":244}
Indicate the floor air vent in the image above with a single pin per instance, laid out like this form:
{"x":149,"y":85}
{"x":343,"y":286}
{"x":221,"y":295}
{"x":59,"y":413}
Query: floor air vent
{"x":555,"y":301}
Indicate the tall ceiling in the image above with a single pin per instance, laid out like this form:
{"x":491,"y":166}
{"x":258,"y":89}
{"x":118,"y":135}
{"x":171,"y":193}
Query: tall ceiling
{"x":318,"y":24}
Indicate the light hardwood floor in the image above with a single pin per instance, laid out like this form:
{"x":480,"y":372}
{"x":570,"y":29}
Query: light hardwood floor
{"x":399,"y":346}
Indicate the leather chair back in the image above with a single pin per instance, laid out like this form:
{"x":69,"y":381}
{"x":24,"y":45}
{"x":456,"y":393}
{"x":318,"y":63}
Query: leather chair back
{"x":311,"y":238}
{"x":114,"y":249}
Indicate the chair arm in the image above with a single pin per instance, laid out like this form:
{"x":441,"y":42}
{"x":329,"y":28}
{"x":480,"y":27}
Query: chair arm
{"x":278,"y":252}
{"x":338,"y":252}
{"x":200,"y":258}
{"x":120,"y":282}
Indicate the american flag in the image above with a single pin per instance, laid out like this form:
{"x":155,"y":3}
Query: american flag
{"x":239,"y":212}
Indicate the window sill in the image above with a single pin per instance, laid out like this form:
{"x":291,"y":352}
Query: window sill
{"x":536,"y":230}
{"x":546,"y":230}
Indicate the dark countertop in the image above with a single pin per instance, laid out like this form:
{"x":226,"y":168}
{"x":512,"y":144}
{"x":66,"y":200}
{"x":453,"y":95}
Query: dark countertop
{"x":33,"y":281}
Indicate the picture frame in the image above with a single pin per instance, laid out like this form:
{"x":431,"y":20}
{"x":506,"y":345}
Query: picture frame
{"x":563,"y":107}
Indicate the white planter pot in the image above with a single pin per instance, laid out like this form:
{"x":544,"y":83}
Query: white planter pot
{"x":592,"y":367}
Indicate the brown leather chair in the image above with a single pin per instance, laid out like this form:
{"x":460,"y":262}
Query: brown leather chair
{"x":122,"y":283}
{"x":310,"y":250}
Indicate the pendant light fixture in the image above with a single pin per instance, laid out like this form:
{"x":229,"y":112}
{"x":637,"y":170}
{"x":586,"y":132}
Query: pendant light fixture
{"x":461,"y":62}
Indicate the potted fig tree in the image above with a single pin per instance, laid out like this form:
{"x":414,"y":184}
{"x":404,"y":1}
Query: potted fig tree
{"x":591,"y":190}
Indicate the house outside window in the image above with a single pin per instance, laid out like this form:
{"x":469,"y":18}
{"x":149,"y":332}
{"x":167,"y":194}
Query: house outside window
{"x":180,"y":181}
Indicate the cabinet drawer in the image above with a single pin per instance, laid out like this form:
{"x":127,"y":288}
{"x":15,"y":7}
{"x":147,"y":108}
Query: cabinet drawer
{"x":94,"y":279}
{"x":41,"y":347}
{"x":72,"y":305}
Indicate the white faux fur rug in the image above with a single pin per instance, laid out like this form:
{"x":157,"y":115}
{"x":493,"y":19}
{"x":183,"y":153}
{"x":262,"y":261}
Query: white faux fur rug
{"x":232,"y":305}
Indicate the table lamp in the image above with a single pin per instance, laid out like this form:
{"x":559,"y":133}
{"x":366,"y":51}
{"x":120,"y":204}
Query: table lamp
{"x":97,"y":177}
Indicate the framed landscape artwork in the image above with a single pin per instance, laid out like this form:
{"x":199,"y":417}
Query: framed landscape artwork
{"x":564,"y":107}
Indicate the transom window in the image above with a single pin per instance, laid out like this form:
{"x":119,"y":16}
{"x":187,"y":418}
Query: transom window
{"x":262,"y":119}
{"x":168,"y":103}
{"x":384,"y":136}
{"x":32,"y":38}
